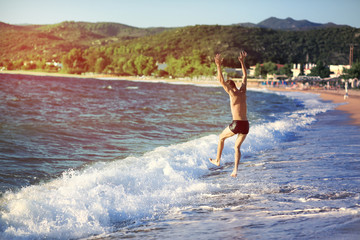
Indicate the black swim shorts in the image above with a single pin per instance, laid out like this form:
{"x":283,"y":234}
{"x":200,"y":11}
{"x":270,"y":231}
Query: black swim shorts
{"x":239,"y":126}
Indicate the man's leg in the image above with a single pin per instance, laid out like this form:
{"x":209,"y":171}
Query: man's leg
{"x":224,"y":135}
{"x":240,"y":139}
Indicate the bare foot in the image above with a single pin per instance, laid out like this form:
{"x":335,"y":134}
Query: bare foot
{"x":233,"y":174}
{"x":215,"y":161}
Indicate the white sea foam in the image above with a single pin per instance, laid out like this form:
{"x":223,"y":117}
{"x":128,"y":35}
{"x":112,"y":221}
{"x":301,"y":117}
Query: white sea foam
{"x":125,"y":192}
{"x":107,"y":194}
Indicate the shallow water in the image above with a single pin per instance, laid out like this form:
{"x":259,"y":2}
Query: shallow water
{"x":80,"y":160}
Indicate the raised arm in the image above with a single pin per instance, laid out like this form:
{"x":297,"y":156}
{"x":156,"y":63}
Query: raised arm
{"x":218,"y":62}
{"x":241,"y":58}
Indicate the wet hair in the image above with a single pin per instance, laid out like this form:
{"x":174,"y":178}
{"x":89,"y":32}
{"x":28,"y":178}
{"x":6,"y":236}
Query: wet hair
{"x":231,"y":83}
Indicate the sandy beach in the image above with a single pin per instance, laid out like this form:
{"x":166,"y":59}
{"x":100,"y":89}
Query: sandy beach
{"x":350,"y":105}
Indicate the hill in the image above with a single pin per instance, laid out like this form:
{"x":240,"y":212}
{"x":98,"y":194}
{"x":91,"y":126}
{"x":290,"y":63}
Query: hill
{"x":289,"y":24}
{"x":330,"y":45}
{"x":51,"y":41}
{"x":112,"y":42}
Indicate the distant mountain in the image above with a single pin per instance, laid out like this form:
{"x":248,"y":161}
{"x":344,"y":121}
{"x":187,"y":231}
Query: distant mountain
{"x":289,"y":24}
{"x":247,"y":24}
{"x":101,"y":29}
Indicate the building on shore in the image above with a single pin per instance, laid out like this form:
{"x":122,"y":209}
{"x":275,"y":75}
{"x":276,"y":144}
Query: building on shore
{"x":296,"y":70}
{"x":337,"y":70}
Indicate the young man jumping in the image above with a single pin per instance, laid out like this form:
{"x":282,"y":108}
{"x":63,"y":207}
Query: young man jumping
{"x":240,"y":124}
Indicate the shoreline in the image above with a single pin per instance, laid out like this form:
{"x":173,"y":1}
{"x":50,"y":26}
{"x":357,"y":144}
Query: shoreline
{"x":350,"y":105}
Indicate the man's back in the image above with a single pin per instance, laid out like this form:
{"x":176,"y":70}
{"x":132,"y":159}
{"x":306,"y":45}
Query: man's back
{"x":238,"y":104}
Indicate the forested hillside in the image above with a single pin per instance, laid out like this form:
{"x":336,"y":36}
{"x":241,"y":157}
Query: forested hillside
{"x":38,"y":42}
{"x":330,"y":45}
{"x":120,"y":49}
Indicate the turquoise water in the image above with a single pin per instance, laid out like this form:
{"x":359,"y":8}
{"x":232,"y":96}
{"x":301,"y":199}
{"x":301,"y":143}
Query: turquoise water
{"x":81,"y":159}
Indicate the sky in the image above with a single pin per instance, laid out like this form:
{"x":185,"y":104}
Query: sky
{"x":178,"y":13}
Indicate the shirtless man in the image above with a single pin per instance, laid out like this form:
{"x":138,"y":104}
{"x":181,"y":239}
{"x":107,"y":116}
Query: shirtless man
{"x":240,"y":124}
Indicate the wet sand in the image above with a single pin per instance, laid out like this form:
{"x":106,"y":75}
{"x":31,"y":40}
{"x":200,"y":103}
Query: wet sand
{"x":350,"y":105}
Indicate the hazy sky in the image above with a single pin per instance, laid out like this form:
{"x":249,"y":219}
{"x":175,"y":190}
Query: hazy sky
{"x":175,"y":13}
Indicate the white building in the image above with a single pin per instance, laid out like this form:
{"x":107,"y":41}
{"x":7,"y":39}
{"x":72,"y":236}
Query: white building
{"x":337,"y":70}
{"x":296,"y":70}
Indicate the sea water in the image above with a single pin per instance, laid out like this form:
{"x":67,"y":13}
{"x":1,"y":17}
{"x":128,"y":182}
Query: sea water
{"x":102,"y":159}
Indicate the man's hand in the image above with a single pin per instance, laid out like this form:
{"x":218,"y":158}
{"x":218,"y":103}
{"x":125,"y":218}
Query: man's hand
{"x":242,"y":56}
{"x":218,"y":60}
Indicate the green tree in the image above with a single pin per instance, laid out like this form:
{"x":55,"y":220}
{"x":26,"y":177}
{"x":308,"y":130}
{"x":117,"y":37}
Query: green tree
{"x":354,"y":71}
{"x":41,"y":64}
{"x":150,"y":66}
{"x":91,"y":56}
{"x":29,"y":66}
{"x":190,"y":66}
{"x":73,"y":62}
{"x":144,"y":65}
{"x":172,"y":65}
{"x":259,"y":71}
{"x":270,"y":68}
{"x":181,"y":67}
{"x":118,"y":65}
{"x":129,"y":67}
{"x":18,"y":64}
{"x":286,"y":70}
{"x":100,"y":65}
{"x":320,"y":70}
{"x":9,"y":65}
{"x":265,"y":68}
